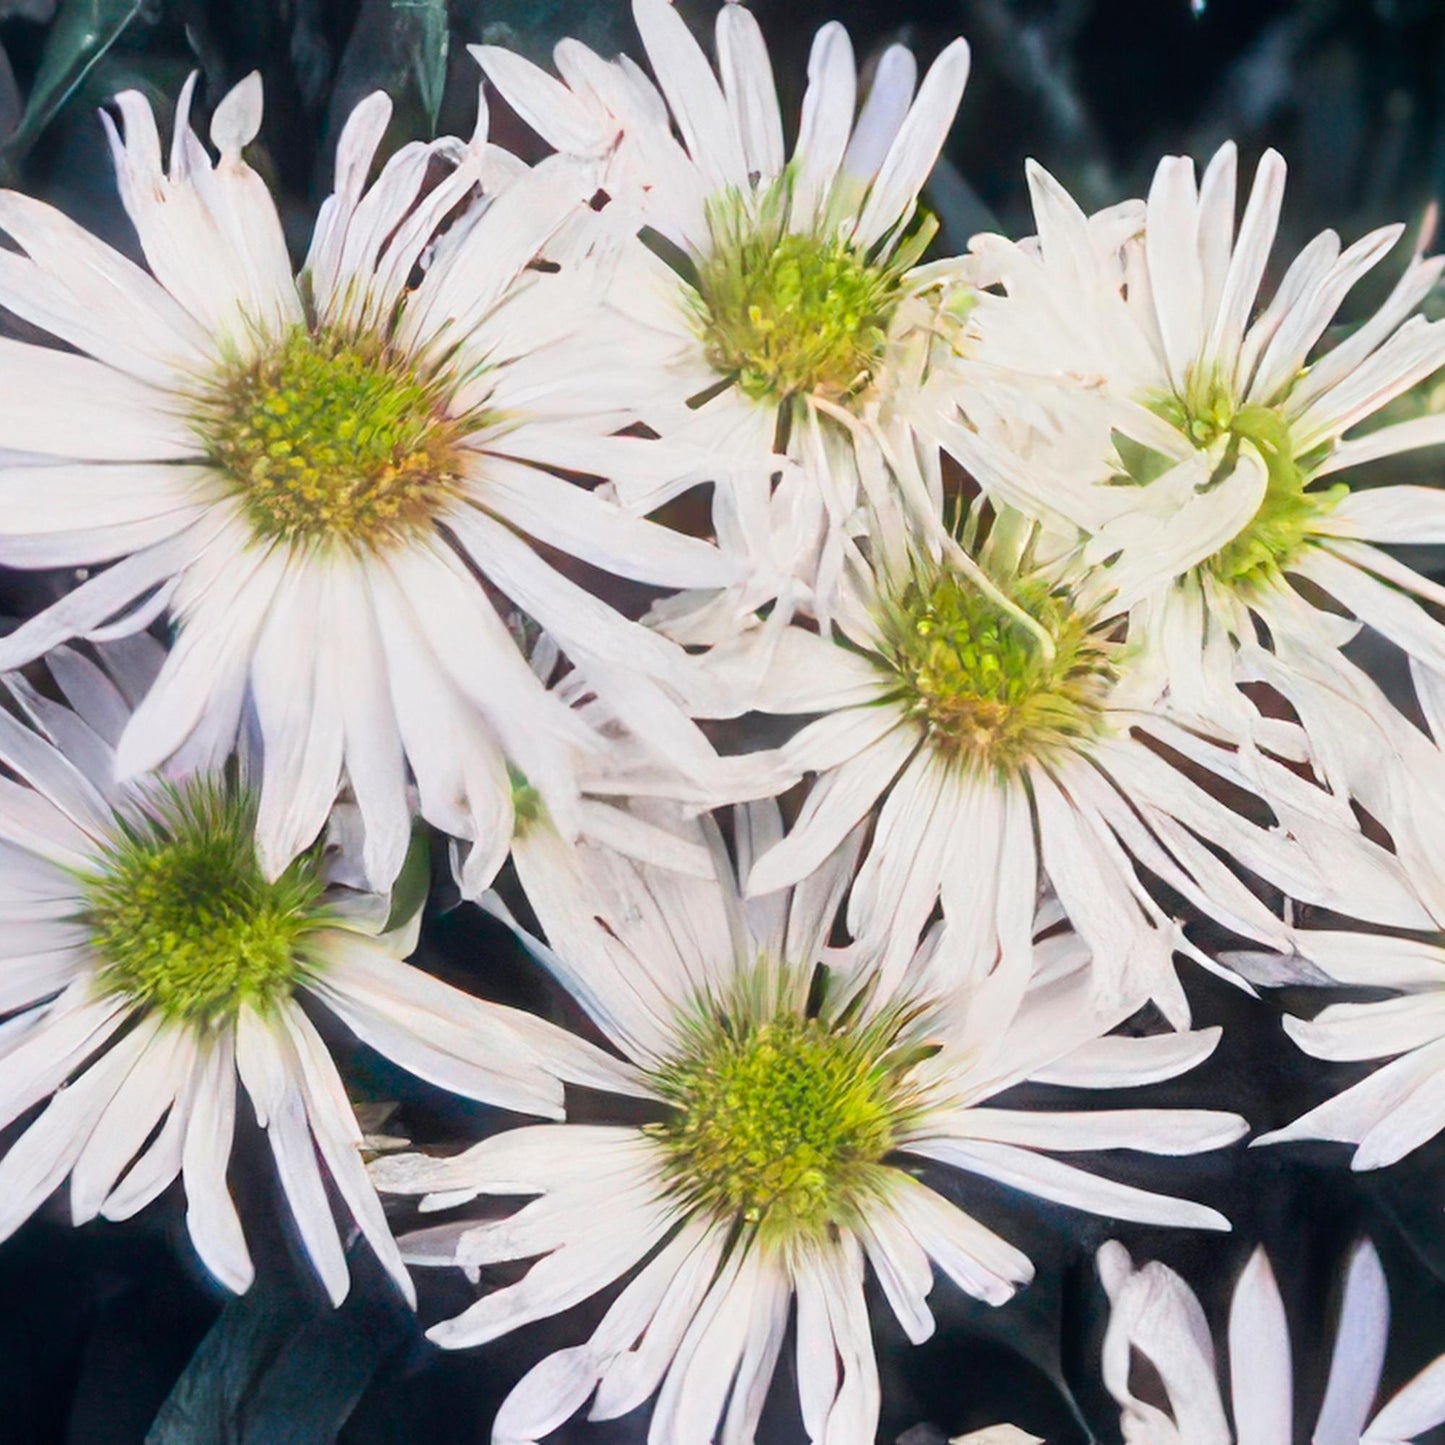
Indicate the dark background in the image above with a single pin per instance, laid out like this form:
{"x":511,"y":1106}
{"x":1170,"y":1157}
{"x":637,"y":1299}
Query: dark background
{"x":104,"y":1327}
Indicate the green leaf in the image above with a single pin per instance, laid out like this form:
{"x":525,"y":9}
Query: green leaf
{"x":1141,"y":463}
{"x":308,"y":1394}
{"x":281,"y":1367}
{"x":206,"y":1400}
{"x":84,"y":30}
{"x":409,"y":892}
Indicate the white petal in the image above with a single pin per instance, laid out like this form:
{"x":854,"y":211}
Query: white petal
{"x":752,"y":95}
{"x":1418,"y":1407}
{"x":1049,"y":1179}
{"x":915,"y":147}
{"x":1259,"y":1332}
{"x":683,"y":74}
{"x":211,"y":1216}
{"x":1359,"y":1353}
{"x":267,"y":1063}
{"x":837,"y":801}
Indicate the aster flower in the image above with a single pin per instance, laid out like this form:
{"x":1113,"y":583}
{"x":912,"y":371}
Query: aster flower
{"x":791,"y":1116}
{"x":794,"y":279}
{"x":1211,"y":448}
{"x":1156,"y":1315}
{"x":977,"y":702}
{"x":148,"y":965}
{"x":326,"y":479}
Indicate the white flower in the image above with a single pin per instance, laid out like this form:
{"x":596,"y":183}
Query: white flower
{"x":1209,"y":447}
{"x":327,"y":479}
{"x":983,"y":716}
{"x":796,"y":280}
{"x":147,"y":965}
{"x":789,"y":1120}
{"x":1156,"y":1315}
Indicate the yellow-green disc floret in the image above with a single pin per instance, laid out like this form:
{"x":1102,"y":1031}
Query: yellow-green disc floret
{"x":182,"y":919}
{"x":1282,"y":526}
{"x":329,"y":438}
{"x":982,"y":682}
{"x":795,"y":312}
{"x":780,"y":1122}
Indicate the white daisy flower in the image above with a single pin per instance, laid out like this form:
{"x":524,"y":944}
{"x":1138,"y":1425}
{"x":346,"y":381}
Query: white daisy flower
{"x":148,"y":965}
{"x":983,"y":713}
{"x":326,"y":479}
{"x":793,"y":278}
{"x":792,"y":1113}
{"x":1156,"y":1315}
{"x":1210,"y":446}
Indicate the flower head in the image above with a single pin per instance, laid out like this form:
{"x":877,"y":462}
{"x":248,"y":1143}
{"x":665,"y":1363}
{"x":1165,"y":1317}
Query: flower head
{"x":979,"y":707}
{"x":783,"y":288}
{"x":794,"y":1109}
{"x":148,"y":963}
{"x":329,"y":480}
{"x":1200,"y":438}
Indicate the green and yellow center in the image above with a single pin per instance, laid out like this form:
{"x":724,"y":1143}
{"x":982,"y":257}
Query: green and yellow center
{"x":788,"y":313}
{"x":1284,"y":522}
{"x":983,"y":683}
{"x":182,"y":919}
{"x":780,"y":1122}
{"x":329,"y":438}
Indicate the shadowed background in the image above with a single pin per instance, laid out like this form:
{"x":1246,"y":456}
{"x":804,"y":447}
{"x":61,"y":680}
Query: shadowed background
{"x":113,"y":1334}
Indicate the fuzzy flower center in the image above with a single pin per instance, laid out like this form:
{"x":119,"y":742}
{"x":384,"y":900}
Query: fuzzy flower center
{"x":1284,"y":522}
{"x":790,"y":313}
{"x":982,"y":682}
{"x":184,"y":921}
{"x":329,"y":438}
{"x":778,"y":1123}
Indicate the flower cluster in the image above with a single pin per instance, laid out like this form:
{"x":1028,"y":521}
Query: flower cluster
{"x":1058,"y":546}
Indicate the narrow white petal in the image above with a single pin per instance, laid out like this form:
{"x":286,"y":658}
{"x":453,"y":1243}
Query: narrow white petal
{"x":752,"y":95}
{"x":1359,"y":1353}
{"x":211,"y":1216}
{"x":708,"y":128}
{"x":1259,"y":1332}
{"x":1049,"y":1179}
{"x":266,"y":1061}
{"x":916,"y":146}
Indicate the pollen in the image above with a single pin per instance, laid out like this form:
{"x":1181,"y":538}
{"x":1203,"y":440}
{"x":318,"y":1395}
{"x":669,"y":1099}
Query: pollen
{"x":328,"y":438}
{"x":183,"y":921}
{"x":790,"y":313}
{"x":981,"y":682}
{"x":780,"y":1122}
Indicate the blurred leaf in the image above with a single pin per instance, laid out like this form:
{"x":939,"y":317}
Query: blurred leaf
{"x":309,"y":1393}
{"x":399,"y":46}
{"x":11,"y":105}
{"x":82,"y":33}
{"x":533,"y":27}
{"x":205,"y":1402}
{"x":280,"y":1368}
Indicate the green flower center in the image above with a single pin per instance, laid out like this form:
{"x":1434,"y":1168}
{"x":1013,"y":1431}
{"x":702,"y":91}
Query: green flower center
{"x":182,"y":918}
{"x":1284,"y":523}
{"x":981,"y":681}
{"x":780,"y":1122}
{"x":329,"y":438}
{"x":794,"y":313}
